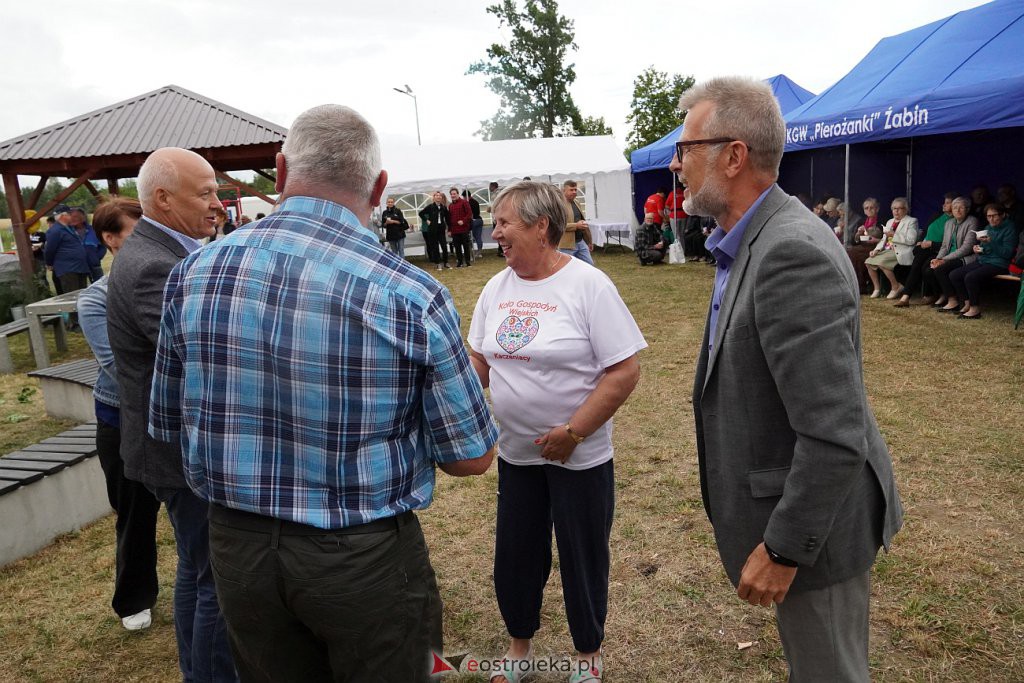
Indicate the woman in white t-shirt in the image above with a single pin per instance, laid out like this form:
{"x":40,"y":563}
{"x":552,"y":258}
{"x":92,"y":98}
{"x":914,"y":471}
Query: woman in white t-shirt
{"x":557,"y":346}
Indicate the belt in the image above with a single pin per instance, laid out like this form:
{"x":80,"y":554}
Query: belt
{"x":251,"y":521}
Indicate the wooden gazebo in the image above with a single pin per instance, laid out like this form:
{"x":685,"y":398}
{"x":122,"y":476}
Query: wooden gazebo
{"x":112,"y":142}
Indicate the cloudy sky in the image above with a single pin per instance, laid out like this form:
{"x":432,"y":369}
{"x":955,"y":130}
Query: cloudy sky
{"x":276,"y":59}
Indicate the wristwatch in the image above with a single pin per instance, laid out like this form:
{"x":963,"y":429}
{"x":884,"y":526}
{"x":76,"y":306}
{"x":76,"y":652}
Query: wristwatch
{"x":779,"y":559}
{"x":575,"y":437}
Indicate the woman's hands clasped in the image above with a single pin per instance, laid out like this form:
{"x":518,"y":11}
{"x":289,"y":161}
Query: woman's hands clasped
{"x":557,"y":445}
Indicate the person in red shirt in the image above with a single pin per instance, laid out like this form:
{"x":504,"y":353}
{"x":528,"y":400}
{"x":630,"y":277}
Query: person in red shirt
{"x":460,"y":221}
{"x":675,"y":213}
{"x":656,"y":204}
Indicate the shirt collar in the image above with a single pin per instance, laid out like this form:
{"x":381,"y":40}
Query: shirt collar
{"x":727,"y":244}
{"x":184,"y":240}
{"x":323,"y":207}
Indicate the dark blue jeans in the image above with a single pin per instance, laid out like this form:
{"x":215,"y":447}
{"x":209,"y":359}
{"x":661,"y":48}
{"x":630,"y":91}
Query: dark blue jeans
{"x":204,"y":654}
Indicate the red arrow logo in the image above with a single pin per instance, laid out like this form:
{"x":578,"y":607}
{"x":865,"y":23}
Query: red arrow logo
{"x":441,"y":665}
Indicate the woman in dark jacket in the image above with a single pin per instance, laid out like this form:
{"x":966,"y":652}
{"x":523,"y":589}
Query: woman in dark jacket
{"x":995,"y":249}
{"x":395,"y":227}
{"x":436,"y":216}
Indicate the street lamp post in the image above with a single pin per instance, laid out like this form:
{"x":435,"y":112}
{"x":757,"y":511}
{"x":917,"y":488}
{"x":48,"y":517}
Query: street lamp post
{"x":416,"y":107}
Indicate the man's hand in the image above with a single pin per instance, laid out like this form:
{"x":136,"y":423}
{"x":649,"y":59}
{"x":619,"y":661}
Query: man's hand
{"x":557,"y":445}
{"x":762,"y":581}
{"x":581,"y":225}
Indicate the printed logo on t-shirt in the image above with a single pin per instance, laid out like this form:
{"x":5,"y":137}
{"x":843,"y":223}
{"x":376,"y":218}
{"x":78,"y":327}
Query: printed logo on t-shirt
{"x":515,"y":332}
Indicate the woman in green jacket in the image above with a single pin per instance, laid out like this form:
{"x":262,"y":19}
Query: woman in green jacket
{"x":994,"y":249}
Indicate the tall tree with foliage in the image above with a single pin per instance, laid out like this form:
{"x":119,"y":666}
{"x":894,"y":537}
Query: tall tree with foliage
{"x":530,"y":74}
{"x":654,"y":110}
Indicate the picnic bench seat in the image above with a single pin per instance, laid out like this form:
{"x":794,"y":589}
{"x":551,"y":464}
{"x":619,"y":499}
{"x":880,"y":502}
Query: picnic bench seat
{"x":48,"y":489}
{"x":17,"y":327}
{"x":1008,"y":277}
{"x":67,"y":389}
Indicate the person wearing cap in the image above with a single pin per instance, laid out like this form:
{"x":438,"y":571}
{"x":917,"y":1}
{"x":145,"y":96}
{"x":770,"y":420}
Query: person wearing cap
{"x":65,"y":253}
{"x":95,"y":250}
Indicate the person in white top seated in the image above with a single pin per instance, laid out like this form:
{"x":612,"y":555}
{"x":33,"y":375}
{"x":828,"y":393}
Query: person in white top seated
{"x":556,"y":344}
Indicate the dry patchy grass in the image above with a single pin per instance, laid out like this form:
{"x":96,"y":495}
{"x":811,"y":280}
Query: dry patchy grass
{"x":946,"y":604}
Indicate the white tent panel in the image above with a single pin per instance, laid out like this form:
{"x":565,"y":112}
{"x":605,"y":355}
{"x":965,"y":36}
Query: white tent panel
{"x":594,"y":160}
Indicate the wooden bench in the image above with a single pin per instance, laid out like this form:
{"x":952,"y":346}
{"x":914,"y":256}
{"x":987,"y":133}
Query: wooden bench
{"x":47,"y":489}
{"x":67,"y":389}
{"x":19,"y":326}
{"x":1008,"y":277}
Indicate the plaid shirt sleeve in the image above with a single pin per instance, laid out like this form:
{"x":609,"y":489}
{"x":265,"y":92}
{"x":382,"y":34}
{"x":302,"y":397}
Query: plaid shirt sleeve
{"x":165,"y":398}
{"x":458,"y":421}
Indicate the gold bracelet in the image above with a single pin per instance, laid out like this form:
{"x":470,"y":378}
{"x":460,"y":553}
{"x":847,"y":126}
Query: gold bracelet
{"x":575,"y":437}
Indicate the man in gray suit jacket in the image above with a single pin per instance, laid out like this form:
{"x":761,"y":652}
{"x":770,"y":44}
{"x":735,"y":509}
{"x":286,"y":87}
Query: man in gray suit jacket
{"x":795,"y":476}
{"x":178,"y":192}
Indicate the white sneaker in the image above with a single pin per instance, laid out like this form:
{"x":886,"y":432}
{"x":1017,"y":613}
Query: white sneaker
{"x":139,"y":621}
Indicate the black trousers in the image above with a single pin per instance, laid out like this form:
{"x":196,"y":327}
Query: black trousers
{"x":967,"y":281}
{"x":135,"y":580}
{"x":940,"y":276}
{"x":437,"y":245}
{"x":308,"y":604}
{"x":917,"y":269}
{"x":463,"y":245}
{"x":580,"y":504}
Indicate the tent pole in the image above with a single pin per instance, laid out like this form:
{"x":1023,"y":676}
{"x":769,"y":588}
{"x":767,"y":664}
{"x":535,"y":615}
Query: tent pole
{"x":812,"y":177}
{"x":846,"y":197}
{"x":910,"y":173}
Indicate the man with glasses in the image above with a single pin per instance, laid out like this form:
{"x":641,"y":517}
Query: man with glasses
{"x":795,"y":476}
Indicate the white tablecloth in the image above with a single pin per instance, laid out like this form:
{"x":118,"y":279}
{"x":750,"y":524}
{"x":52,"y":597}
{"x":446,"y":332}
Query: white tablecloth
{"x":600,"y":232}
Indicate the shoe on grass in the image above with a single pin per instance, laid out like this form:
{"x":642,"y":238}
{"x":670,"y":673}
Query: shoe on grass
{"x":138,"y":621}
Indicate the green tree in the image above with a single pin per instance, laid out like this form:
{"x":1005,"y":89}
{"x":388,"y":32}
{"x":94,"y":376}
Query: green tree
{"x":590,"y":125}
{"x":654,"y":110}
{"x":529,"y":74}
{"x":264,"y":185}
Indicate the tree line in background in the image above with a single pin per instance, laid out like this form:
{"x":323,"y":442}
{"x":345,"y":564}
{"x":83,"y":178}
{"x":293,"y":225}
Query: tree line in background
{"x":84,"y":198}
{"x":532,"y":79}
{"x":54,"y":186}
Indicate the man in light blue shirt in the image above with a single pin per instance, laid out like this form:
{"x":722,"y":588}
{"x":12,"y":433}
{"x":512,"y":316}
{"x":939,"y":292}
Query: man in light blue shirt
{"x":315,"y":381}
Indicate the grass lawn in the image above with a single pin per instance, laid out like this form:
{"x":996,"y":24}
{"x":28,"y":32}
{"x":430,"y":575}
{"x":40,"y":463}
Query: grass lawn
{"x":947,"y":604}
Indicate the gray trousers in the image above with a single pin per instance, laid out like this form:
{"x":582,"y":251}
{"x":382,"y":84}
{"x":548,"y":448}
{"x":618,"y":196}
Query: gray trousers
{"x":824,"y":632}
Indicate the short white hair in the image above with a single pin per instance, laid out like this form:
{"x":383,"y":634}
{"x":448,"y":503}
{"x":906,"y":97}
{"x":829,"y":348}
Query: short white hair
{"x":335,"y":146}
{"x":745,"y":109}
{"x":157,"y":171}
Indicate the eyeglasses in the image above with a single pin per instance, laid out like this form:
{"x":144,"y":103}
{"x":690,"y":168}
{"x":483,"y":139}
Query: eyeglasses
{"x":993,"y":215}
{"x":683,"y":144}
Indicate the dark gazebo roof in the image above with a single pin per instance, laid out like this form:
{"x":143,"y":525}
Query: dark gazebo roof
{"x":117,"y":138}
{"x":112,"y":142}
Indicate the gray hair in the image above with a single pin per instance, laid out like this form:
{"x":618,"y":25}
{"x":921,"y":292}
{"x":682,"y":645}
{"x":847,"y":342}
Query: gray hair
{"x":745,"y":109}
{"x":333,"y":145}
{"x":832,"y":204}
{"x":157,"y":171}
{"x":872,"y":201}
{"x":966,"y":202}
{"x":533,"y":201}
{"x":901,"y":200}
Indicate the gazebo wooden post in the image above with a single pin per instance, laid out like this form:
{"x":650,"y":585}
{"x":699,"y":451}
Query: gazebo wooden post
{"x":38,"y":192}
{"x":243,"y":186}
{"x":17,"y":212}
{"x":112,"y":186}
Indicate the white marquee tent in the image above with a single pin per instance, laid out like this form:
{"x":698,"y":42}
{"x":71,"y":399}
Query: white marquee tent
{"x":595,"y":162}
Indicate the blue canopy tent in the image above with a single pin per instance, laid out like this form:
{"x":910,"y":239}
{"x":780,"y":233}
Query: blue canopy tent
{"x":650,"y":164}
{"x":935,"y":108}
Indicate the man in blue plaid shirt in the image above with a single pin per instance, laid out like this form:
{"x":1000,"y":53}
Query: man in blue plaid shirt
{"x":315,"y":380}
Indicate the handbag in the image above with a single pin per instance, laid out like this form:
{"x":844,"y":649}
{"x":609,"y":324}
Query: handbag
{"x":676,"y":254}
